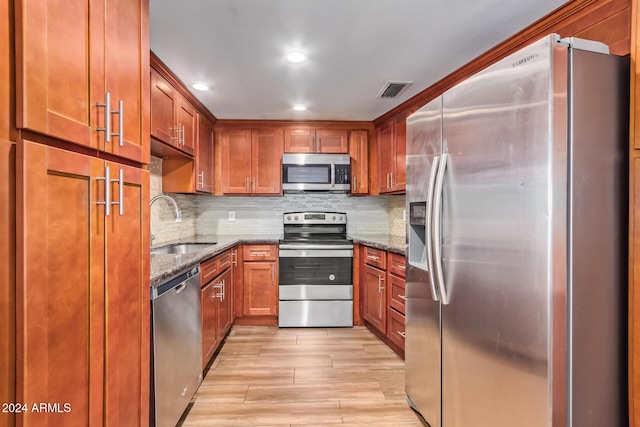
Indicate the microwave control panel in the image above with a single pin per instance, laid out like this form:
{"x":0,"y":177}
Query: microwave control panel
{"x":342,"y":174}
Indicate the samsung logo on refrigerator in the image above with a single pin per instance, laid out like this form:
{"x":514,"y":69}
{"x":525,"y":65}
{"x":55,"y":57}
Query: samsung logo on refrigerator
{"x":525,"y":60}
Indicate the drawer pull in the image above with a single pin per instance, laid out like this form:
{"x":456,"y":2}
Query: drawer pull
{"x":259,"y":253}
{"x":403,"y":297}
{"x":402,"y":334}
{"x":373,"y":257}
{"x":401,"y":266}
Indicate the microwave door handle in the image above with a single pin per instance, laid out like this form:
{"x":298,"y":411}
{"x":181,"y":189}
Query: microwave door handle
{"x":333,"y":174}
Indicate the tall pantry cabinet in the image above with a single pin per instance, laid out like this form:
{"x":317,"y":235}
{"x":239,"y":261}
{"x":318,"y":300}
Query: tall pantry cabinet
{"x":82,"y":211}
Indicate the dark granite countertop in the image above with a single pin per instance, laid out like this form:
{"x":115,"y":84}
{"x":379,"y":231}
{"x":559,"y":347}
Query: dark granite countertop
{"x":165,"y":266}
{"x":386,"y":242}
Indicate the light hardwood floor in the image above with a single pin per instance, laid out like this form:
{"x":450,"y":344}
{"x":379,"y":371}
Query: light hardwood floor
{"x":266,"y":376}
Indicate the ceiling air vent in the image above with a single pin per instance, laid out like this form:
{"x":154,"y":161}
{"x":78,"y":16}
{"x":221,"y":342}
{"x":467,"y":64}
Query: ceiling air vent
{"x":393,"y":89}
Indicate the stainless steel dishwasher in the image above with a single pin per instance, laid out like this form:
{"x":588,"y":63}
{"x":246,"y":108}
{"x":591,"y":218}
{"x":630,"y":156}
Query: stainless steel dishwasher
{"x":177,"y":346}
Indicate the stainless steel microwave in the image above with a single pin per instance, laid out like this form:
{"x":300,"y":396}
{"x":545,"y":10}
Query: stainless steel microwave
{"x":316,"y":172}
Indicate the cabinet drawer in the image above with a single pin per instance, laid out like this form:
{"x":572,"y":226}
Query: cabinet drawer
{"x":396,"y":287}
{"x":259,"y":253}
{"x":375,"y":257}
{"x":396,"y":265}
{"x":210,"y":268}
{"x":395,"y":327}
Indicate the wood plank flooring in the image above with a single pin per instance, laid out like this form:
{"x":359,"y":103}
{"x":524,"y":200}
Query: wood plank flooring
{"x":266,"y":376}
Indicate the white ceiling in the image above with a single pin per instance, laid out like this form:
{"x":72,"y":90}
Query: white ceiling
{"x":354,"y":47}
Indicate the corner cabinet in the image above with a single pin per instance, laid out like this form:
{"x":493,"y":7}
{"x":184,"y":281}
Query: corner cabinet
{"x":82,"y":73}
{"x":250,"y":161}
{"x":82,"y":287}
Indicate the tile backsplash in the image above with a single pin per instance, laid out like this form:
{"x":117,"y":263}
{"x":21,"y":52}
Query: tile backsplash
{"x":263,"y":215}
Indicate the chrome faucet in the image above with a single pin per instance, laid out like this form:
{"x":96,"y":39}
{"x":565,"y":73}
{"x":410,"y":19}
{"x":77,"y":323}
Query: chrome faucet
{"x":176,"y":211}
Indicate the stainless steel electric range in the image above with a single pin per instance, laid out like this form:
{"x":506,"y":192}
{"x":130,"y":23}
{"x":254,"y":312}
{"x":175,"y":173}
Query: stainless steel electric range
{"x":316,"y":268}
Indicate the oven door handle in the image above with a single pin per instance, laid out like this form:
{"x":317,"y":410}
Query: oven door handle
{"x":316,"y":253}
{"x":312,"y":246}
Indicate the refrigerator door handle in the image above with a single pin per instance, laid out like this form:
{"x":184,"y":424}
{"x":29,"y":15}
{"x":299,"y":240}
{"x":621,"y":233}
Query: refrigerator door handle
{"x":429,"y":220}
{"x":437,"y":229}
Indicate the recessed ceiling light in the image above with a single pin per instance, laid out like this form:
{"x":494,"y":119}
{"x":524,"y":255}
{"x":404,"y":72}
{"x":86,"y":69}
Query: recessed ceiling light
{"x":299,"y":107}
{"x":296,"y":57}
{"x":200,"y":86}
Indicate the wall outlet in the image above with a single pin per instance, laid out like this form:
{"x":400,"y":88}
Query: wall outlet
{"x":232,"y":216}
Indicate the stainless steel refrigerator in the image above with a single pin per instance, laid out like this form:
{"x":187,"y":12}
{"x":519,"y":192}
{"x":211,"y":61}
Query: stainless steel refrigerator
{"x":516,"y":243}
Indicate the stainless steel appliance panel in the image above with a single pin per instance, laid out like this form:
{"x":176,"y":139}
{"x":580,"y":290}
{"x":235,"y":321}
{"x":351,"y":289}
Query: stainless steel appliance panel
{"x":597,"y":299}
{"x":315,"y":270}
{"x":177,"y":341}
{"x":316,"y":314}
{"x":496,"y":249}
{"x":422,"y":321}
{"x":315,"y":292}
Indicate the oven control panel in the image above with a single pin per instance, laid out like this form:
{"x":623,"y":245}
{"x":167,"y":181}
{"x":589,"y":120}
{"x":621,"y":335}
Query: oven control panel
{"x":315,"y":218}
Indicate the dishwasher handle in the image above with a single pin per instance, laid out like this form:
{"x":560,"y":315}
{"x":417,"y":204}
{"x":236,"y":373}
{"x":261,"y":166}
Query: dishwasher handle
{"x":177,"y":283}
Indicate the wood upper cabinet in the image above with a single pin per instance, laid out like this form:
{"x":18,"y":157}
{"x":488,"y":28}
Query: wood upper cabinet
{"x":251,"y":161}
{"x":304,"y":140}
{"x":391,"y":154}
{"x":82,"y":287}
{"x":75,"y":57}
{"x":173,"y":118}
{"x":260,"y":285}
{"x":359,"y":153}
{"x":204,"y":157}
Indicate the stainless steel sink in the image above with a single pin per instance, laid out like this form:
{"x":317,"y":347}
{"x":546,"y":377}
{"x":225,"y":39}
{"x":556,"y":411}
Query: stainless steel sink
{"x":180,"y":248}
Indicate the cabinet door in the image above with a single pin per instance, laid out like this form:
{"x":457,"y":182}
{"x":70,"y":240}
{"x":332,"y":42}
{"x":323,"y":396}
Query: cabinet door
{"x":209,"y":304}
{"x":204,"y":156}
{"x":399,"y":178}
{"x":374,"y":300}
{"x":385,"y":155}
{"x":127,"y":297}
{"x":359,"y":152}
{"x":54,"y":69}
{"x":164,"y":99}
{"x":60,"y":284}
{"x":224,"y":299}
{"x":126,"y":65}
{"x":186,"y":122}
{"x":260,"y":289}
{"x":332,"y":141}
{"x":236,"y":161}
{"x":266,"y":159}
{"x":299,"y":141}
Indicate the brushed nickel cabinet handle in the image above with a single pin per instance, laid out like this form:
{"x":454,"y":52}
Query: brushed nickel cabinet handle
{"x":120,"y":113}
{"x":107,"y":117}
{"x":120,"y":201}
{"x":402,"y":334}
{"x":107,"y":191}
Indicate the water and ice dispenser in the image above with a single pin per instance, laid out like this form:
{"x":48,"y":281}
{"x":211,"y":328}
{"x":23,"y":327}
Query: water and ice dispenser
{"x":417,"y":256}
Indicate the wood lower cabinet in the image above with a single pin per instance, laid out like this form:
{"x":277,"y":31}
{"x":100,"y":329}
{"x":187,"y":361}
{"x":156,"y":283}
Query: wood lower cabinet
{"x":382,"y":288}
{"x":83,"y":287}
{"x":251,"y":161}
{"x":75,"y":57}
{"x":374,"y":297}
{"x":216,"y":300}
{"x":260,"y":280}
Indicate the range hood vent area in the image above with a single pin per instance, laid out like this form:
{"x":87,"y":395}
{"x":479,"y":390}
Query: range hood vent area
{"x":393,"y":89}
